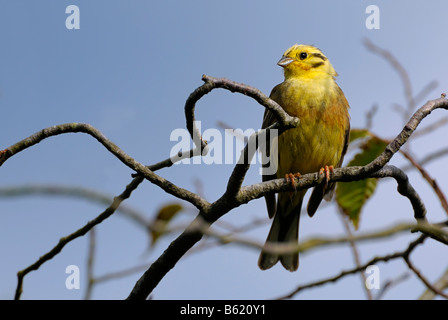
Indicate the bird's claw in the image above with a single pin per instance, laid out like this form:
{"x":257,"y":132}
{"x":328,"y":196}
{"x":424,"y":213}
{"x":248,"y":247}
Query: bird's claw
{"x":290,"y":177}
{"x":327,"y":170}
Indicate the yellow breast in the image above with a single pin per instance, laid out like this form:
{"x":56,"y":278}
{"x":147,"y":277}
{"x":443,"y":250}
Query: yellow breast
{"x":319,"y":140}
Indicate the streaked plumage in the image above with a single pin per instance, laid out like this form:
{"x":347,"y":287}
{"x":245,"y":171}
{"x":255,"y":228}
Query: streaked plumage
{"x":310,"y":93}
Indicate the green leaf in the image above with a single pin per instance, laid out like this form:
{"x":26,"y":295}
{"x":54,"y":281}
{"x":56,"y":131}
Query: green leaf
{"x":358,"y":134}
{"x":163,"y":217}
{"x":352,"y":196}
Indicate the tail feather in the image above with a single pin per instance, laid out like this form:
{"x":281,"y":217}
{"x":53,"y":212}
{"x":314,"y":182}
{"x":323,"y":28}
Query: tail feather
{"x":291,"y":261}
{"x":284,"y":229}
{"x":315,"y":199}
{"x":320,"y":192}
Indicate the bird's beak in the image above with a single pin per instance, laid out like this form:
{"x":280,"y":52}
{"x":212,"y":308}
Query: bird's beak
{"x":284,"y":61}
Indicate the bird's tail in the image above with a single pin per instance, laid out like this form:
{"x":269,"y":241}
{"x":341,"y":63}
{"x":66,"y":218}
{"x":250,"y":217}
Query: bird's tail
{"x":284,"y":229}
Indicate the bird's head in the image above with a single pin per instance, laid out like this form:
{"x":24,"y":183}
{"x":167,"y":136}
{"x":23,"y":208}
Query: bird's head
{"x":301,"y":60}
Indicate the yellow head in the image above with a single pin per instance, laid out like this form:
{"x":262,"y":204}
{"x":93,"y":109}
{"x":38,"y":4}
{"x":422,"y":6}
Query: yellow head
{"x":303,"y":60}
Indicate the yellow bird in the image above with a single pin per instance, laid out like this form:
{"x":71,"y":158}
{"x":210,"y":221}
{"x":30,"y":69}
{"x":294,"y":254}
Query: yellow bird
{"x":318,"y":144}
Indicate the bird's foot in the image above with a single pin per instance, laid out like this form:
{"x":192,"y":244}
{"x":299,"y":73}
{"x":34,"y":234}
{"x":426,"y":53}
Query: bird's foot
{"x":327,"y":170}
{"x":290,"y":178}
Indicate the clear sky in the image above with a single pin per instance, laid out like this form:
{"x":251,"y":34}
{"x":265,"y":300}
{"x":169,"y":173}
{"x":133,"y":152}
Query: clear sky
{"x":128,"y":71}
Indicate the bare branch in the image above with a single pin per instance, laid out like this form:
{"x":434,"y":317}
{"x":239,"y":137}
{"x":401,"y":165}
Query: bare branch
{"x":418,"y":98}
{"x":145,"y":171}
{"x":422,"y":278}
{"x":90,"y":264}
{"x":347,"y":174}
{"x":429,"y":129}
{"x":343,"y":274}
{"x":149,"y":280}
{"x":432,"y":182}
{"x":400,"y":70}
{"x":80,"y":232}
{"x":285,"y":120}
{"x":72,"y":191}
{"x":369,"y":116}
{"x":431,"y":230}
{"x":355,"y":251}
{"x":235,"y":194}
{"x":433,"y":156}
{"x":390,"y":283}
{"x":441,"y":284}
{"x":211,"y":83}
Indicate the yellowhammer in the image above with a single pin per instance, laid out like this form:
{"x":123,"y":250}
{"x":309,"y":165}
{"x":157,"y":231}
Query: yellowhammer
{"x":319,"y":143}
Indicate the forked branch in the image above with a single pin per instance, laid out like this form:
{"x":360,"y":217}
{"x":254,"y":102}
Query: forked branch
{"x":235,"y":194}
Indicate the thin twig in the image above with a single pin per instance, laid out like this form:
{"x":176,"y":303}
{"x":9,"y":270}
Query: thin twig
{"x":78,"y":233}
{"x":369,"y":116}
{"x":86,"y":228}
{"x":401,"y":72}
{"x":435,"y":231}
{"x":432,"y":182}
{"x":355,"y":250}
{"x":345,"y":273}
{"x":422,"y":278}
{"x":441,"y":284}
{"x":90,"y":264}
{"x":389,"y":284}
{"x":429,"y":129}
{"x":418,"y":98}
{"x":72,"y":191}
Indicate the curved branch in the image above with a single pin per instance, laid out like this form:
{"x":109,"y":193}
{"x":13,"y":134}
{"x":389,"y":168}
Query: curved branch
{"x":347,"y":174}
{"x":149,"y":280}
{"x":404,"y":188}
{"x":432,"y":182}
{"x":130,"y":162}
{"x":403,"y":136}
{"x":86,"y":228}
{"x":286,"y":121}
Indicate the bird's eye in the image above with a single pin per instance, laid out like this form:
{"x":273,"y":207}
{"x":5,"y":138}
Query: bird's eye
{"x":302,"y":55}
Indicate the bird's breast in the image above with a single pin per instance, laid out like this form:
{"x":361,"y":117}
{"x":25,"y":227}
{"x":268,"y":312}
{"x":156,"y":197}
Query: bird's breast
{"x":319,"y":139}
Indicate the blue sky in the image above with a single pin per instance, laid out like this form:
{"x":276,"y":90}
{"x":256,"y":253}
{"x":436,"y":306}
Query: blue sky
{"x":128,"y":71}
